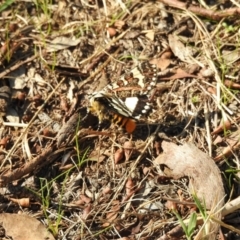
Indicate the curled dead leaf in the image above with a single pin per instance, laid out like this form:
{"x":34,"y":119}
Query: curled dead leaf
{"x":112,"y":31}
{"x":179,"y":73}
{"x":130,"y":189}
{"x":119,"y":24}
{"x":170,"y":205}
{"x":212,"y":90}
{"x":162,"y":63}
{"x":128,"y":147}
{"x":4,"y":141}
{"x":146,"y":170}
{"x":218,"y":140}
{"x":66,"y":167}
{"x":118,"y":156}
{"x":86,"y":211}
{"x":231,"y":84}
{"x":113,"y":213}
{"x":224,"y":126}
{"x":64,"y":104}
{"x":129,"y":184}
{"x":106,"y":190}
{"x":157,"y":146}
{"x":167,"y":55}
{"x":227,"y":151}
{"x":206,"y":72}
{"x":23,"y":202}
{"x":85,"y":198}
{"x":47,"y":132}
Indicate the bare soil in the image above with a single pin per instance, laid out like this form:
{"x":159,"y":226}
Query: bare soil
{"x":85,"y":181}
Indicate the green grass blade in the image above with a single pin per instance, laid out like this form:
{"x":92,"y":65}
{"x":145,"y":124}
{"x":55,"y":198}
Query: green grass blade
{"x":6,"y":4}
{"x":192,"y":223}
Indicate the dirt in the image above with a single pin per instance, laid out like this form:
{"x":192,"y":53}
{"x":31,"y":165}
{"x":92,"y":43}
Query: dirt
{"x":82,"y":158}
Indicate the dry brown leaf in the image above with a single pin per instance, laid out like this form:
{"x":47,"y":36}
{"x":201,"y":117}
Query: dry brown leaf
{"x":205,"y":179}
{"x":4,"y":141}
{"x":113,"y":213}
{"x":106,"y":190}
{"x":119,"y":24}
{"x":181,"y":51}
{"x":231,"y":84}
{"x":67,"y":129}
{"x":167,"y":54}
{"x":22,"y":227}
{"x":130,"y":189}
{"x":233,"y":143}
{"x":218,"y":140}
{"x":118,"y":156}
{"x":227,"y":151}
{"x":128,"y":148}
{"x":86,"y":211}
{"x":170,"y":205}
{"x":111,"y":31}
{"x":212,"y":90}
{"x":79,"y":202}
{"x":149,"y":34}
{"x":224,"y":126}
{"x":188,"y":160}
{"x":85,"y":198}
{"x":129,"y":186}
{"x":137,"y":228}
{"x":230,"y":56}
{"x":162,"y":63}
{"x":179,"y":74}
{"x":61,"y":42}
{"x":23,"y":202}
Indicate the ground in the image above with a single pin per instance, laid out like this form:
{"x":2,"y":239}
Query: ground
{"x":71,"y":155}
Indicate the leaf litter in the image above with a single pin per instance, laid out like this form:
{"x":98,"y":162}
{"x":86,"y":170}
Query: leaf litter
{"x":85,"y":182}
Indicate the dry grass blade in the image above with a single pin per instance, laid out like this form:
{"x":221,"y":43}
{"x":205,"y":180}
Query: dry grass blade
{"x":91,"y":91}
{"x":27,"y":128}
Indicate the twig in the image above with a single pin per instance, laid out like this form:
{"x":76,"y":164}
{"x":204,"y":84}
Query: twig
{"x":27,"y":168}
{"x":215,"y":15}
{"x":231,"y":206}
{"x":207,"y":124}
{"x":98,"y":70}
{"x":16,"y":66}
{"x":30,"y":124}
{"x":225,"y":225}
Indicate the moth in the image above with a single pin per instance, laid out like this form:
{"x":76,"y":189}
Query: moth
{"x":126,"y":100}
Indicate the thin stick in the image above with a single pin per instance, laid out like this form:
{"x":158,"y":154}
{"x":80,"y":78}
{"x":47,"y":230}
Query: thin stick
{"x":16,"y":66}
{"x":30,"y":124}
